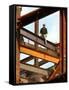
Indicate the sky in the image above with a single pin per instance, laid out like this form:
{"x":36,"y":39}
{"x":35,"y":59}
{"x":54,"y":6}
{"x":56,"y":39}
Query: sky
{"x":52,"y":24}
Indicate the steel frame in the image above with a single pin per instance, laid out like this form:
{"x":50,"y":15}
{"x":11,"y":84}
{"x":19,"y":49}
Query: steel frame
{"x":24,"y":20}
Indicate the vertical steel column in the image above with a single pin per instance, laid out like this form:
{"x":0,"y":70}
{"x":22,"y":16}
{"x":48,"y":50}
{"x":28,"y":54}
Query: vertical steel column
{"x":36,"y":24}
{"x":18,"y":11}
{"x":62,"y":40}
{"x":61,"y":67}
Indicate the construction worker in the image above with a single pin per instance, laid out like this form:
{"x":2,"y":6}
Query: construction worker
{"x":44,"y":33}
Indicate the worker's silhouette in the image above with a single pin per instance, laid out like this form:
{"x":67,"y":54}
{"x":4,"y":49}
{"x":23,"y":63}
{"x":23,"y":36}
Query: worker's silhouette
{"x":44,"y":33}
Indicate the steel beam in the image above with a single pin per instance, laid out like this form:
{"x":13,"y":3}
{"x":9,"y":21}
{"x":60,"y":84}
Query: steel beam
{"x":26,"y":59}
{"x":40,"y":49}
{"x":17,"y":73}
{"x":40,"y":13}
{"x":39,"y":54}
{"x":34,"y":69}
{"x":30,"y":58}
{"x":36,"y":30}
{"x":63,"y":31}
{"x":26,"y":33}
{"x":42,"y":62}
{"x":56,"y":72}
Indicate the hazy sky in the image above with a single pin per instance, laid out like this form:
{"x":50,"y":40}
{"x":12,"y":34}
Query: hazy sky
{"x":52,"y":25}
{"x":51,"y":22}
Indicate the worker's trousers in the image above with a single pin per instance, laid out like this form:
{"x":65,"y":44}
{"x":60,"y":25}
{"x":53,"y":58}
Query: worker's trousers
{"x":44,"y":36}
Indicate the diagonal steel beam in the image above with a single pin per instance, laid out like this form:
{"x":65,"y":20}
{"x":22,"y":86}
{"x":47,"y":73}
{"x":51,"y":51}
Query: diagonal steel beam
{"x":26,"y":59}
{"x":40,"y":13}
{"x":42,"y":62}
{"x":56,"y":71}
{"x":26,"y":33}
{"x":30,"y":58}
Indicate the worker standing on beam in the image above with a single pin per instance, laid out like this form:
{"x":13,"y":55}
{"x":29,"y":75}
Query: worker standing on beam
{"x":44,"y":33}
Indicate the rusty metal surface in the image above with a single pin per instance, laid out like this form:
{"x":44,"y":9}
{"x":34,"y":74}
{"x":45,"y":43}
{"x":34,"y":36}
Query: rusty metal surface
{"x":31,"y":17}
{"x":34,"y":69}
{"x":26,"y":59}
{"x":40,"y":49}
{"x":38,"y":54}
{"x":26,"y":33}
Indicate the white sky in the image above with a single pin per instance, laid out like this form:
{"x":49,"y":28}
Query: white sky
{"x":47,"y":65}
{"x":26,"y":10}
{"x":52,"y":25}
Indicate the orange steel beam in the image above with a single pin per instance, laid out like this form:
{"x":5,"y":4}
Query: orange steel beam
{"x":40,"y":49}
{"x":39,"y":54}
{"x":30,"y":58}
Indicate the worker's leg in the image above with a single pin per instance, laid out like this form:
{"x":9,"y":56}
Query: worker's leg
{"x":42,"y":35}
{"x":45,"y":39}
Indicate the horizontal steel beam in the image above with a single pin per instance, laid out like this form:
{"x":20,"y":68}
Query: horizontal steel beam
{"x":34,"y":69}
{"x":30,"y":58}
{"x":40,"y":49}
{"x":39,"y":54}
{"x":26,"y":33}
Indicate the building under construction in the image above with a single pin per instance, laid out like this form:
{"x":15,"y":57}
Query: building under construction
{"x":55,"y":53}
